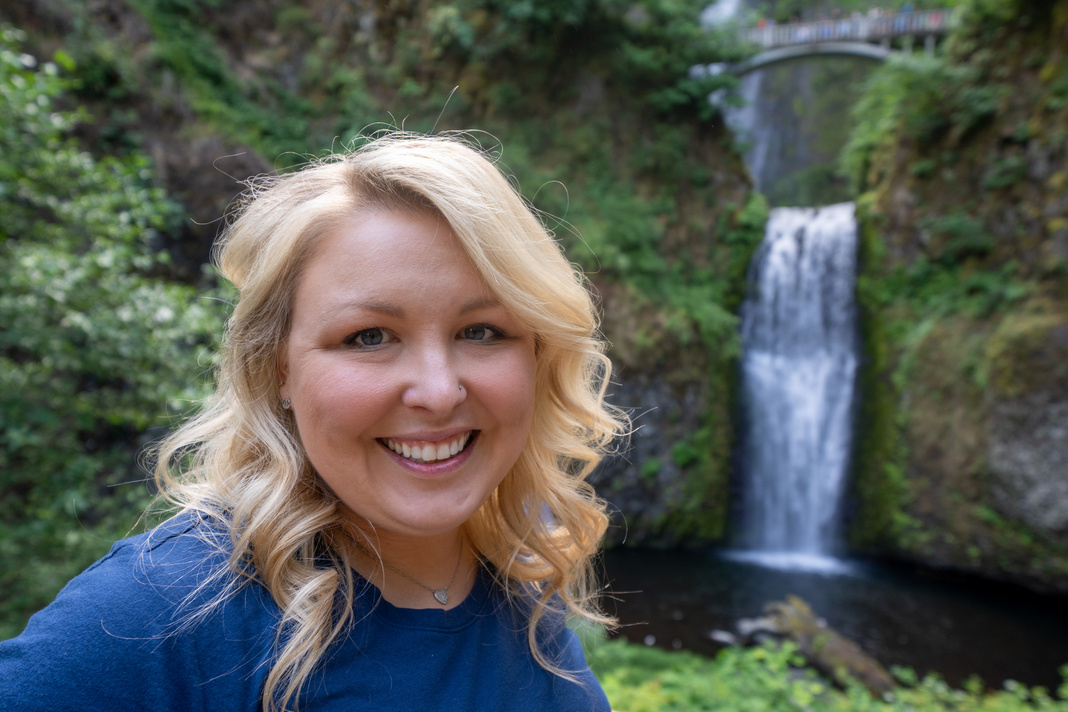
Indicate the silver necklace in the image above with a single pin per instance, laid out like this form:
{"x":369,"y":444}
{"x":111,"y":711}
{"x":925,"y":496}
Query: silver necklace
{"x":441,"y":595}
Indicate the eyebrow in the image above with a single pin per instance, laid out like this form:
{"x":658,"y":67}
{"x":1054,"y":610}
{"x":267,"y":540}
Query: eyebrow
{"x":380,"y":307}
{"x":392,"y":310}
{"x":476,"y":304}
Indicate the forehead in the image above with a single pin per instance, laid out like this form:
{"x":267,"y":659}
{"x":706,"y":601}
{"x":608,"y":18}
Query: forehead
{"x":386,"y":256}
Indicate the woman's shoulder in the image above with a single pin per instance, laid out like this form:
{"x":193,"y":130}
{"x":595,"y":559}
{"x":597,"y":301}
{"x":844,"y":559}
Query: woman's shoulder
{"x":156,"y":623}
{"x":182,"y":563}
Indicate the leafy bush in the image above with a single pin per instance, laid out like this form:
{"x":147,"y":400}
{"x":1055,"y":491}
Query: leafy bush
{"x":918,"y":97}
{"x":652,"y":44}
{"x":767,"y":679}
{"x":1005,"y":172}
{"x":94,"y":349}
{"x":261,"y":113}
{"x":934,"y":290}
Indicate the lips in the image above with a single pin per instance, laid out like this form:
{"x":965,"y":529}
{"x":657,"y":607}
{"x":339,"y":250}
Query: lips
{"x":425,"y":451}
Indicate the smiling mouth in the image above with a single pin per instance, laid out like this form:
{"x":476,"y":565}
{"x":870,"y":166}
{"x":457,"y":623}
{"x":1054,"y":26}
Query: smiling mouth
{"x":424,"y":451}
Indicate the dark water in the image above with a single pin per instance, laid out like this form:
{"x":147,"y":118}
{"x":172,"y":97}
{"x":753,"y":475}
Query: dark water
{"x":900,"y":616}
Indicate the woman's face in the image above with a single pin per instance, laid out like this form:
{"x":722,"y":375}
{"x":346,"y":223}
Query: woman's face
{"x":412,"y":386}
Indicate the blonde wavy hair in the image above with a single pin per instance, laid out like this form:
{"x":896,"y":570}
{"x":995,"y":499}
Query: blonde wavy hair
{"x":240,"y":461}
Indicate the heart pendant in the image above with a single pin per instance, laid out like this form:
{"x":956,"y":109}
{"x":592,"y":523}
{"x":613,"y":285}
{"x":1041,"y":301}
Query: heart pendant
{"x":442,"y":595}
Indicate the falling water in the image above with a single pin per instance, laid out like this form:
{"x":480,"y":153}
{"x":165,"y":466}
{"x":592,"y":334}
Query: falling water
{"x":799,"y":335}
{"x":757,"y":128}
{"x":720,"y":12}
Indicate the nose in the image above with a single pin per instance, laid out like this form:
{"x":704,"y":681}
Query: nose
{"x":434,"y":383}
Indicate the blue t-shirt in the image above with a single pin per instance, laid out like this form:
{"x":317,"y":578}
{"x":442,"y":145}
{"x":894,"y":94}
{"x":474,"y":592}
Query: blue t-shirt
{"x":120,"y":636}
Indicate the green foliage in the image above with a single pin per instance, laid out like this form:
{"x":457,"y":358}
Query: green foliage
{"x":1005,"y":172}
{"x":685,"y":454}
{"x":902,"y":305}
{"x":261,"y":113}
{"x":507,"y":52}
{"x":93,"y":348}
{"x":947,"y":280}
{"x":744,"y":237}
{"x":700,"y":305}
{"x":712,"y":300}
{"x":934,"y":289}
{"x":959,"y":237}
{"x":650,"y":469}
{"x":915,"y":98}
{"x":652,"y":44}
{"x":879,"y":453}
{"x":982,"y":22}
{"x":767,"y":679}
{"x":512,"y":55}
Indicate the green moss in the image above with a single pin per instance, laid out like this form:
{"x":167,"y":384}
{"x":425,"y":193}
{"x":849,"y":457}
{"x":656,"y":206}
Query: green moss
{"x":879,"y":451}
{"x":698,"y":514}
{"x":1005,"y":172}
{"x":1025,"y":354}
{"x":962,"y":287}
{"x":920,"y":459}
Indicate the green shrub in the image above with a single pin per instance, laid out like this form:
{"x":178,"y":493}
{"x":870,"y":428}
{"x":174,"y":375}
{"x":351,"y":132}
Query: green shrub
{"x":920,"y":98}
{"x":96,"y":354}
{"x":1005,"y":172}
{"x":644,"y":679}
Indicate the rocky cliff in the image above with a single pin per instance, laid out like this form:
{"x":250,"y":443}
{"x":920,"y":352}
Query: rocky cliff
{"x":963,"y":455}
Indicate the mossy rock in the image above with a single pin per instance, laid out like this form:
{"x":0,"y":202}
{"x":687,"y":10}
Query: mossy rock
{"x":1027,"y":353}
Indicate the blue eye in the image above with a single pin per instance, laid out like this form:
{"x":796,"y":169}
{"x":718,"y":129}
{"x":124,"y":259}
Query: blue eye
{"x":367,"y":338}
{"x":482,"y":333}
{"x":475,"y":333}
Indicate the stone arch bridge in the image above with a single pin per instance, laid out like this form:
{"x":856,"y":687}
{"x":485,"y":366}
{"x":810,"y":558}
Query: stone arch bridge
{"x":867,"y":35}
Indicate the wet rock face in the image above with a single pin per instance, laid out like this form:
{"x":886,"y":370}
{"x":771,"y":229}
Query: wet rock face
{"x":986,"y":427}
{"x":1028,"y":423}
{"x":642,"y":483}
{"x":1028,"y":452}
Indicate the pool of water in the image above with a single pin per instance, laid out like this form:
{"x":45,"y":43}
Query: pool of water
{"x":930,"y":622}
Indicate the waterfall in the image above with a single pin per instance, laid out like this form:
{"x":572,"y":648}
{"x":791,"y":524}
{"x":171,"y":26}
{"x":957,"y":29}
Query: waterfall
{"x":720,"y":12}
{"x":757,"y":128}
{"x":799,"y":338}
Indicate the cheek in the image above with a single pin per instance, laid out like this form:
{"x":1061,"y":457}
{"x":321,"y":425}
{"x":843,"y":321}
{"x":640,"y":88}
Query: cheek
{"x":513,"y":391}
{"x":335,"y":404}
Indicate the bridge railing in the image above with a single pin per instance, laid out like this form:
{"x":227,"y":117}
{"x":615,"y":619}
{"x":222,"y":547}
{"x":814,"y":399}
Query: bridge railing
{"x":862,"y":28}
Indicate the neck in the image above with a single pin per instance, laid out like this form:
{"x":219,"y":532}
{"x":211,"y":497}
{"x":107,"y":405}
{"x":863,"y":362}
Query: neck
{"x":409,"y":570}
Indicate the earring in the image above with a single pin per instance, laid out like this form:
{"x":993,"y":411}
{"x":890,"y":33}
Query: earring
{"x":285,"y":404}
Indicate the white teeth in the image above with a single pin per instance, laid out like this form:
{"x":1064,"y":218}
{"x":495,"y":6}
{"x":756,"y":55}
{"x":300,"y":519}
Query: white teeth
{"x":429,"y":452}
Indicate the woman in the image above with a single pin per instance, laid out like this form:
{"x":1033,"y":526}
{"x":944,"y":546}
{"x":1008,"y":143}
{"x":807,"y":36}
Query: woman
{"x":384,"y":504}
